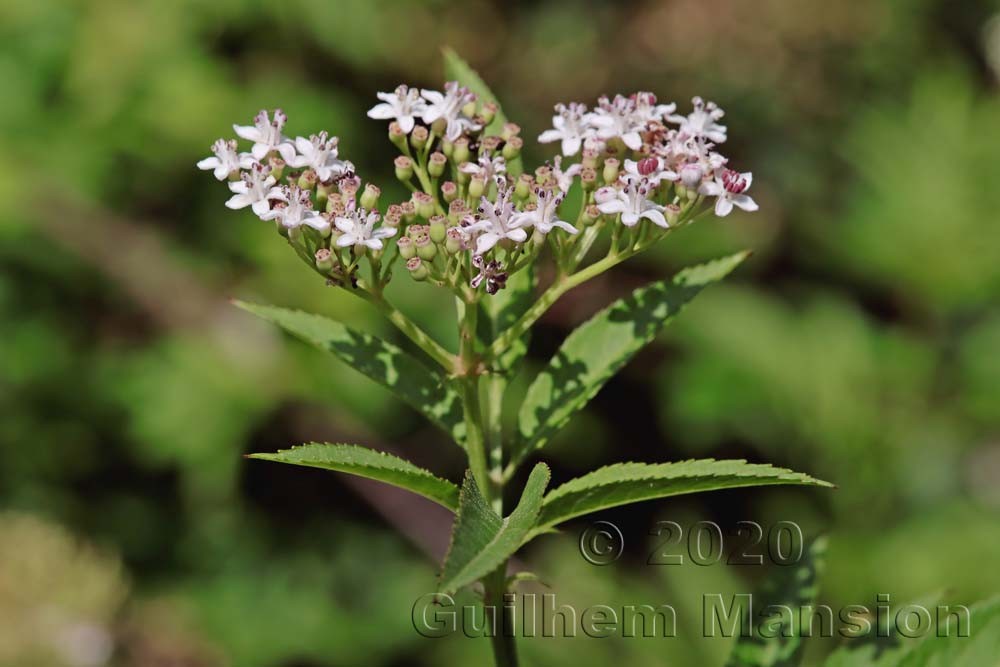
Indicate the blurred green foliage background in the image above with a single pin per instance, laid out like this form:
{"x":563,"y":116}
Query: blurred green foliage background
{"x":860,"y":344}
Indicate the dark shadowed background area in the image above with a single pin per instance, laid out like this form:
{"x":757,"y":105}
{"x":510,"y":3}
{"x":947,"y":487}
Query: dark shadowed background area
{"x":860,"y":344}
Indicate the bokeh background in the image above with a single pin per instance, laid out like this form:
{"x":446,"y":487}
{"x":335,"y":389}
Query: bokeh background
{"x":861,"y":343}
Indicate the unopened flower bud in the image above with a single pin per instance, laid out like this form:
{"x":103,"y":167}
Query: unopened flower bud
{"x":409,"y":211}
{"x":424,"y":204}
{"x":512,"y":148}
{"x":397,"y":136}
{"x":406,"y":247}
{"x":477,"y":186}
{"x":488,"y":112}
{"x":416,"y":268}
{"x":453,"y":241}
{"x":590,"y":215}
{"x":277,"y":166}
{"x":456,"y":210}
{"x":404,"y":168}
{"x":440,"y":126}
{"x":611,"y":170}
{"x":469,"y":109}
{"x":447,"y":147}
{"x":588,"y":178}
{"x":589,"y":158}
{"x":543,"y":174}
{"x":510,"y":130}
{"x":393,"y":215}
{"x":308,"y":179}
{"x":418,"y":137}
{"x":324,"y":260}
{"x":449,"y":191}
{"x":490,"y":144}
{"x":672,"y":212}
{"x":524,"y":185}
{"x":438,"y":228}
{"x":426,"y":249}
{"x":369,"y":198}
{"x":349,"y":188}
{"x":436,"y":164}
{"x":691,"y":175}
{"x":460,"y":153}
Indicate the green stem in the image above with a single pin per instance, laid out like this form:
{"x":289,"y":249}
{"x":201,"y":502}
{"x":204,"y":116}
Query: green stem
{"x":468,"y":375}
{"x":408,"y":327}
{"x":501,"y":618}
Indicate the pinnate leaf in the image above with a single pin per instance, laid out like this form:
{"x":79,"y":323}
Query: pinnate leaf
{"x":624,"y":483}
{"x":410,"y":379}
{"x":481,"y":541}
{"x":372,"y":464}
{"x":601,"y":346}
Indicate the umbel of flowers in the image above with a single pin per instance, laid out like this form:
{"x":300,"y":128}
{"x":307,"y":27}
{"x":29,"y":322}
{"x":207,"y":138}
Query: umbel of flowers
{"x":629,"y":171}
{"x":475,"y":218}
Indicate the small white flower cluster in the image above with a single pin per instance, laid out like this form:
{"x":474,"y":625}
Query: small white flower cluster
{"x":685,"y":153}
{"x":474,"y":216}
{"x":253,"y":179}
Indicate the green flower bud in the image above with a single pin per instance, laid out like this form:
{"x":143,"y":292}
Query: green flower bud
{"x":611,"y":170}
{"x":512,"y":148}
{"x":510,"y":130}
{"x":418,"y":271}
{"x":588,"y":178}
{"x":424,"y":204}
{"x":324,"y":260}
{"x":525,"y":184}
{"x":277,"y":166}
{"x":308,"y":179}
{"x":590,"y":215}
{"x":488,"y":112}
{"x":672,"y":212}
{"x":453,"y":241}
{"x":440,"y":126}
{"x":418,"y":137}
{"x":397,"y":136}
{"x":589,"y":158}
{"x":447,"y":147}
{"x":409,"y":211}
{"x":438,"y":228}
{"x":404,"y":168}
{"x":436,"y":164}
{"x":460,"y":153}
{"x":449,"y":191}
{"x":457,"y":210}
{"x":490,"y":144}
{"x":393,"y":215}
{"x":406,"y":248}
{"x":477,"y":186}
{"x":369,"y":198}
{"x":426,"y":249}
{"x":469,"y":109}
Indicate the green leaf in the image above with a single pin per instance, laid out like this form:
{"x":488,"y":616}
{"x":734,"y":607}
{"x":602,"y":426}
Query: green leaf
{"x":422,"y":388}
{"x":601,"y":346}
{"x":369,"y":463}
{"x":892,"y":649}
{"x":624,"y":483}
{"x":456,"y":69}
{"x":480,"y":540}
{"x":775,"y":639}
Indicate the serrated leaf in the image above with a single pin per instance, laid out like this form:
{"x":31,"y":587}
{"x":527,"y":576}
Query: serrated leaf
{"x":480,"y":539}
{"x":891,"y":649}
{"x":372,"y":464}
{"x":456,"y":69}
{"x":410,"y":379}
{"x":624,"y":483}
{"x":601,"y":346}
{"x":793,"y":588}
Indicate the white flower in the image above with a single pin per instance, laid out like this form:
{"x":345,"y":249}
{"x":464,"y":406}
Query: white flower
{"x":492,"y":272}
{"x":486,"y":168}
{"x":730,"y":191}
{"x":496,"y":221}
{"x":544,"y":217}
{"x":692,"y":174}
{"x":618,"y":118}
{"x":631,"y":202}
{"x":296,"y":210}
{"x":449,"y":107}
{"x":648,"y":110}
{"x":404,"y":105}
{"x":571,"y":125}
{"x":564,"y":179}
{"x":226,"y":160}
{"x":651,"y":169}
{"x":319,"y":153}
{"x":358,"y":227}
{"x":702,"y":121}
{"x":266,"y":135}
{"x":254,"y":189}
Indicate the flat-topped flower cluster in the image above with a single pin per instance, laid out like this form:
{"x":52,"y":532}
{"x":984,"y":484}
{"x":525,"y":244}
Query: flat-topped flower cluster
{"x":475,"y":216}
